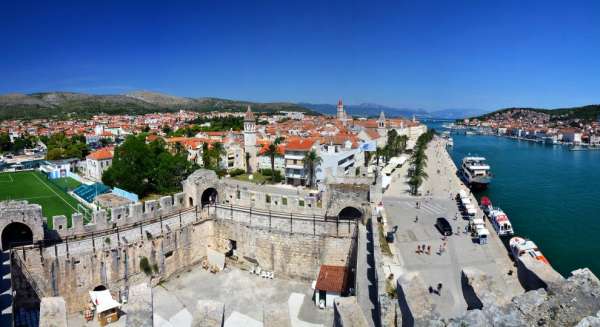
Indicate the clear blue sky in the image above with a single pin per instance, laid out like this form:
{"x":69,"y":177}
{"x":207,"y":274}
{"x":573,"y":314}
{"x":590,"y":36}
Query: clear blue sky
{"x":417,"y":54}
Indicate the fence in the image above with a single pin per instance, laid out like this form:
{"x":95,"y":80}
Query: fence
{"x":128,"y":195}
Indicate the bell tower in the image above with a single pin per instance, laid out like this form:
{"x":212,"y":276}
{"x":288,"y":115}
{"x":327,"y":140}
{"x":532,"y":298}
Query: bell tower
{"x":250,"y":141}
{"x":381,"y":128}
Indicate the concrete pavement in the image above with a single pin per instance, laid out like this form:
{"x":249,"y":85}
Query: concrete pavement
{"x":445,"y":268}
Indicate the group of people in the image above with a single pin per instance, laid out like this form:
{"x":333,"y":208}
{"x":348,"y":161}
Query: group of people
{"x":437,"y":290}
{"x":426,"y":249}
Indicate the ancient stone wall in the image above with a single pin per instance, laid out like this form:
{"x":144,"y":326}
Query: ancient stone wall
{"x":71,"y":269}
{"x":295,"y":255}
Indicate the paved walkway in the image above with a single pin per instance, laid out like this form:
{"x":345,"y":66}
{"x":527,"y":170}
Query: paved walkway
{"x":461,"y":251}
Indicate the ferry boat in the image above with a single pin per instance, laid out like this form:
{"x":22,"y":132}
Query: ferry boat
{"x":500,"y":222}
{"x":497,"y":217}
{"x":475,"y":172}
{"x":522,"y":247}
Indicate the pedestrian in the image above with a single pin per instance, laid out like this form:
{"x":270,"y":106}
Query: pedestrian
{"x":418,"y":249}
{"x":439,"y":288}
{"x":416,"y":218}
{"x":428,"y":249}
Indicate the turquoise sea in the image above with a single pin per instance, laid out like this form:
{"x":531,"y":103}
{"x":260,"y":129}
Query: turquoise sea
{"x":551,"y":195}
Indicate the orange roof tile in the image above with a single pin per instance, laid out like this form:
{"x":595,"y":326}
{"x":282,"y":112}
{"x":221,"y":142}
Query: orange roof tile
{"x":332,"y":278}
{"x":102,"y":154}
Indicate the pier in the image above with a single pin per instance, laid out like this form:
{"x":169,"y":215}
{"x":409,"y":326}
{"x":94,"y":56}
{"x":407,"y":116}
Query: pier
{"x":415,"y":227}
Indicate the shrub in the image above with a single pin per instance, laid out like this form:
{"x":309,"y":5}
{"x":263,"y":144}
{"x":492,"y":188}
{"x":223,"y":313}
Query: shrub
{"x":145,"y":266}
{"x":236,"y":172}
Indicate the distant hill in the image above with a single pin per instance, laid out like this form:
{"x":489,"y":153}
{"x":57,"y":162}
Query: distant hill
{"x":373,"y":109}
{"x":62,"y":104}
{"x":585,"y":113}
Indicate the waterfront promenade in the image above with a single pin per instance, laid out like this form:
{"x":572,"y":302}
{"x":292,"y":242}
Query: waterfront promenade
{"x":460,"y":251}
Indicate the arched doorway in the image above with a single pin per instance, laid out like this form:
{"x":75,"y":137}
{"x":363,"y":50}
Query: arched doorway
{"x":99,"y":288}
{"x":16,"y":234}
{"x":191,"y":201}
{"x":350,"y":213}
{"x":209,"y":196}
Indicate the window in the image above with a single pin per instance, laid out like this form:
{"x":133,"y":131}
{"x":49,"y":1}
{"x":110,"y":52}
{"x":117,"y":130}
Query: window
{"x":301,"y":203}
{"x":284,"y":201}
{"x":268,"y":198}
{"x":238,"y":194}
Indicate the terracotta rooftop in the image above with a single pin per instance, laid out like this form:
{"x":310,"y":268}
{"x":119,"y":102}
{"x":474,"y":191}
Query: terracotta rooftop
{"x":102,"y":154}
{"x":332,"y":279}
{"x":300,"y":144}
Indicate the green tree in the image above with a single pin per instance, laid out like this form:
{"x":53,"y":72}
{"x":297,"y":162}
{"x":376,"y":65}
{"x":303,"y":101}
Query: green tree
{"x":311,"y":161}
{"x":216,"y":152}
{"x":271,"y":151}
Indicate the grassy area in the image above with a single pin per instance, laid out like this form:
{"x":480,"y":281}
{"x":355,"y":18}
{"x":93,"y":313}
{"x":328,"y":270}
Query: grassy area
{"x":34,"y":187}
{"x":257,"y":178}
{"x":66,"y":183}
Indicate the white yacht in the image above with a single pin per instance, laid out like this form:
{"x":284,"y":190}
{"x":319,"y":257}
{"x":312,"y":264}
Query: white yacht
{"x":475,"y":172}
{"x":500,"y":221}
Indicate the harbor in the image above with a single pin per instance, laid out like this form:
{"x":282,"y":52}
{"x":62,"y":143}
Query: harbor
{"x":439,"y":269}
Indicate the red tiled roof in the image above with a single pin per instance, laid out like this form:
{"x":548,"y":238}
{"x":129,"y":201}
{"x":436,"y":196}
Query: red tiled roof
{"x":300,"y":144}
{"x":102,"y":154}
{"x":332,"y":278}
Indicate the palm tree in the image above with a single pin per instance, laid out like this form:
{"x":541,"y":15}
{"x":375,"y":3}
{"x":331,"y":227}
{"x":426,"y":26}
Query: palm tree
{"x":311,"y":160}
{"x":217,"y":151}
{"x":419,"y":175}
{"x":271,"y":151}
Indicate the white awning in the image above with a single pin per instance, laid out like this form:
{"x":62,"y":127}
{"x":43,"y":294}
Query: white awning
{"x":103,"y":301}
{"x":478,"y":221}
{"x":462,"y":193}
{"x":466,"y":201}
{"x":483,"y":232}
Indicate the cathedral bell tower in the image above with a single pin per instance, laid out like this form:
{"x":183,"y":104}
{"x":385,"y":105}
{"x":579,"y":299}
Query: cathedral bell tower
{"x":250,"y":141}
{"x":381,"y":128}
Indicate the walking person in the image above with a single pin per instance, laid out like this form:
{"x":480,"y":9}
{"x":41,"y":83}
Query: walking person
{"x":439,"y":288}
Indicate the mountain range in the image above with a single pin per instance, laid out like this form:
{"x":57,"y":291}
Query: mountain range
{"x":62,"y":104}
{"x":373,"y":109}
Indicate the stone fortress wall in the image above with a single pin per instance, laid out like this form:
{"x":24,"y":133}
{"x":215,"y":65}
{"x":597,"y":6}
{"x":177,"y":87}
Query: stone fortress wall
{"x":175,"y":232}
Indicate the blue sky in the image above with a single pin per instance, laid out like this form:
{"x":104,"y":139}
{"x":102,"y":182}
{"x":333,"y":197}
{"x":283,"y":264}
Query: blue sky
{"x":413,"y":54}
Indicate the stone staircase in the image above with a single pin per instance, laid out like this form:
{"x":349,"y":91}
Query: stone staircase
{"x":5,"y":290}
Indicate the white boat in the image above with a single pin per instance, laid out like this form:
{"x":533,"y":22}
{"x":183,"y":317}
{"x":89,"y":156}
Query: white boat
{"x":500,"y":221}
{"x":475,"y":172}
{"x":522,"y":247}
{"x":450,"y":142}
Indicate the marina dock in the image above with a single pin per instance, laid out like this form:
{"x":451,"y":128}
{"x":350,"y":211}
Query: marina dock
{"x":415,"y":216}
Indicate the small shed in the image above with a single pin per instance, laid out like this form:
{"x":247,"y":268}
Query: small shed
{"x":331,"y":284}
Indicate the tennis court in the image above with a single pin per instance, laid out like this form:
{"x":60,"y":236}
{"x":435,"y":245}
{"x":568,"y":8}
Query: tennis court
{"x":34,"y":187}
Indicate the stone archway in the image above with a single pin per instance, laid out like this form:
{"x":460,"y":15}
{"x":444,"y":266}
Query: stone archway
{"x":100,"y":288}
{"x":350,"y":213}
{"x":16,"y":234}
{"x":209,"y":196}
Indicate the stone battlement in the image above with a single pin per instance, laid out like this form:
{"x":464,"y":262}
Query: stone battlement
{"x":134,"y":213}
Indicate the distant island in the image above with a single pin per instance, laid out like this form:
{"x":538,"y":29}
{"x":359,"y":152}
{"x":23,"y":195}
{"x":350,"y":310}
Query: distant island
{"x":584,"y":113}
{"x":63,"y":104}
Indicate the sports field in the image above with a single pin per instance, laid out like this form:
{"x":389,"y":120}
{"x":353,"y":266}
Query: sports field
{"x":34,"y":187}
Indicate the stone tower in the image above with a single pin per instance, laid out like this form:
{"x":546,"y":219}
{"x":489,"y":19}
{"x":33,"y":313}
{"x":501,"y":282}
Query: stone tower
{"x":250,"y":141}
{"x":341,"y":114}
{"x":381,"y":128}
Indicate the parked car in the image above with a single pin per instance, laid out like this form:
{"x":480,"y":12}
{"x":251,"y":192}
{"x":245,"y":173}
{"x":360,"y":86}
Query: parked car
{"x":443,"y":226}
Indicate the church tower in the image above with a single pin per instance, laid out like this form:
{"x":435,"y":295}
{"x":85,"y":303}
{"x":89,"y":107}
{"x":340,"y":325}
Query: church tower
{"x":341,"y":114}
{"x":250,"y":141}
{"x":381,"y":128}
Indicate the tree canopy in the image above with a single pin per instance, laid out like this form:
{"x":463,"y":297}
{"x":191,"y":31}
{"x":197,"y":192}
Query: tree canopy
{"x":145,"y":168}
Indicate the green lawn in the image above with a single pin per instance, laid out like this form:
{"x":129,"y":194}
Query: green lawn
{"x":66,"y":183}
{"x":257,"y":178}
{"x":34,"y":187}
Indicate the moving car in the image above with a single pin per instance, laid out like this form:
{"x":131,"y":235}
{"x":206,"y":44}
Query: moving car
{"x":443,"y":226}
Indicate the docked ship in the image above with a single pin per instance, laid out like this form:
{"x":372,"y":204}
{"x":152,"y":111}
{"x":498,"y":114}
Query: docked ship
{"x":475,"y":172}
{"x":521,"y":247}
{"x":497,"y":217}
